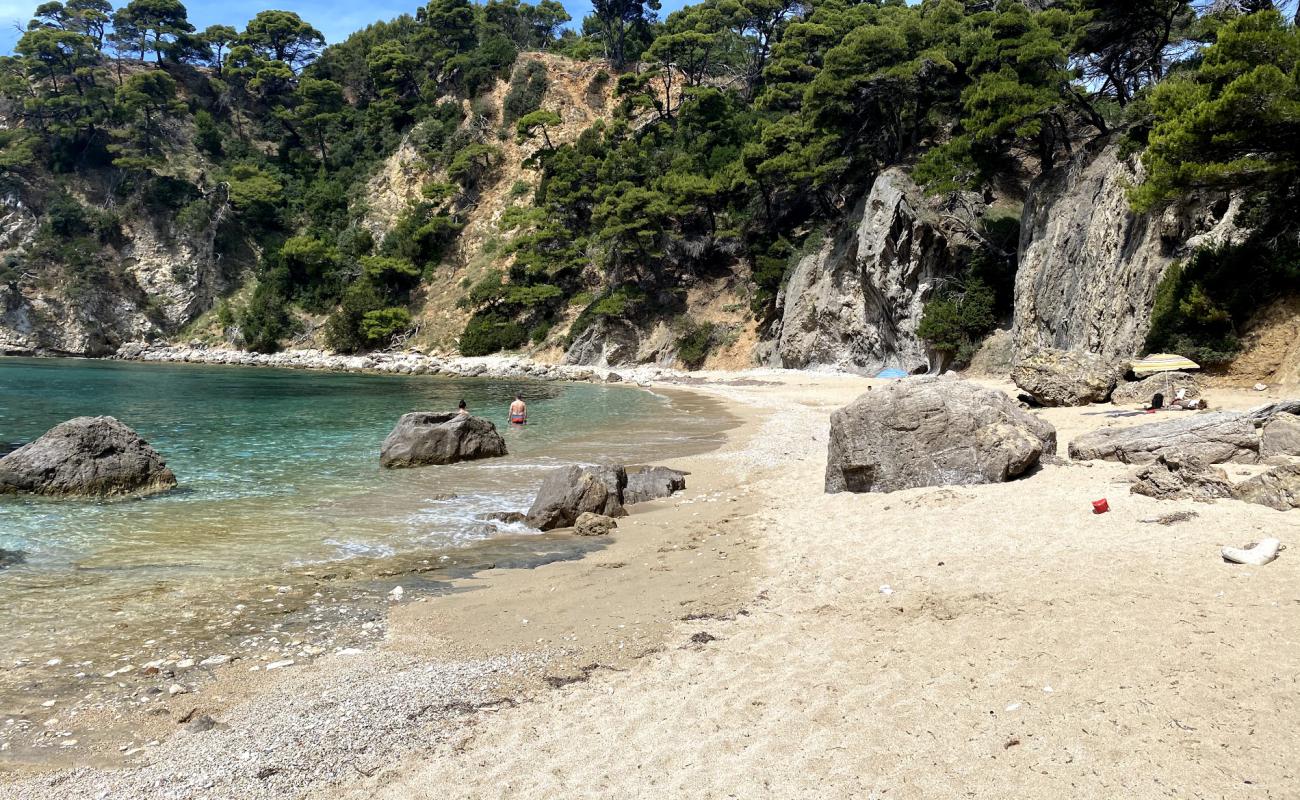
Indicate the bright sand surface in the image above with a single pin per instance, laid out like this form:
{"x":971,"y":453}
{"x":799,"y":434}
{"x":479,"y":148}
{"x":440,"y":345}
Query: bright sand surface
{"x":1029,"y":648}
{"x":755,"y":637}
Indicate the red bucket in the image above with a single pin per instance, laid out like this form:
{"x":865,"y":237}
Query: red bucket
{"x":1100,"y":506}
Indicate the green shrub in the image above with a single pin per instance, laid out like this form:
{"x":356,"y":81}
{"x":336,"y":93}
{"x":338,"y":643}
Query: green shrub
{"x":378,"y":327}
{"x":1202,"y":304}
{"x":957,"y":319}
{"x":694,"y":344}
{"x":343,"y":329}
{"x":489,"y":332}
{"x":527,"y":89}
{"x":266,"y":320}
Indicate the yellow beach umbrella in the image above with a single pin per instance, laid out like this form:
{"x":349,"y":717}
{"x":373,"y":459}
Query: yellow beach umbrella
{"x":1162,"y":362}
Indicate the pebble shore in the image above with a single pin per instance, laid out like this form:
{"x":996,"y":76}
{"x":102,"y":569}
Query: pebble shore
{"x":410,"y":362}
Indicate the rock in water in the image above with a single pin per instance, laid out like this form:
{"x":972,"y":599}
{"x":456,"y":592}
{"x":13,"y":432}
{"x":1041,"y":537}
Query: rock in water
{"x":932,"y":432}
{"x":1131,"y":393}
{"x":426,"y":437}
{"x":652,"y":483}
{"x":568,"y":492}
{"x":9,"y":558}
{"x":590,"y":524}
{"x":1211,"y":438}
{"x":1061,"y":378}
{"x":1175,"y":477}
{"x":86,"y":456}
{"x":1279,"y":488}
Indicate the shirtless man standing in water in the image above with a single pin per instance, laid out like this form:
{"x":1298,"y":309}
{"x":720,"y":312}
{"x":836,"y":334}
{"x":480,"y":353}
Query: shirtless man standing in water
{"x":518,"y":411}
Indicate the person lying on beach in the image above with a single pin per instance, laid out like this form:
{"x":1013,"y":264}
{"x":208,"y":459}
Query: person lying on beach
{"x":519,"y":411}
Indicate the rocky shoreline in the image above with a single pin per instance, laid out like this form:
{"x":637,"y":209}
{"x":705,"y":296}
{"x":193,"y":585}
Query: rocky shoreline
{"x":410,"y":362}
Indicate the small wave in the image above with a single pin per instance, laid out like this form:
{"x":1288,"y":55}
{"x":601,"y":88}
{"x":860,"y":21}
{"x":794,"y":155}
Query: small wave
{"x":359,"y":549}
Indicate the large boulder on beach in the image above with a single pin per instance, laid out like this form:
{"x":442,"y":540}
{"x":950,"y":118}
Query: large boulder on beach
{"x":1174,"y":476}
{"x":88,"y":457}
{"x":1279,"y":488}
{"x":427,"y":437}
{"x":1280,"y":436}
{"x":652,"y":483}
{"x":1209,"y":437}
{"x":932,"y":432}
{"x":1130,"y":393}
{"x":569,"y":492}
{"x":1065,"y":378}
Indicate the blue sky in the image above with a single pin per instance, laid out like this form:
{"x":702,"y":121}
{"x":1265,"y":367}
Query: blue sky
{"x":334,"y":18}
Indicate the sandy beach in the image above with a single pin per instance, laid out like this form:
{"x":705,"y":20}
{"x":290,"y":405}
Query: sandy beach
{"x":755,"y":637}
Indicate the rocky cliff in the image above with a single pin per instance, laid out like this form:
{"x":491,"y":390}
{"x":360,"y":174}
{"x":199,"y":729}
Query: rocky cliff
{"x":150,"y":282}
{"x":1089,"y":266}
{"x":856,"y":301}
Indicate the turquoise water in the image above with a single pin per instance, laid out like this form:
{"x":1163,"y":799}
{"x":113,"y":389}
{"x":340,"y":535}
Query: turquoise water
{"x":280,"y":488}
{"x":281,"y":466}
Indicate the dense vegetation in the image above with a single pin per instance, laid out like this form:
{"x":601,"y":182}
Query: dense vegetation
{"x":741,"y":126}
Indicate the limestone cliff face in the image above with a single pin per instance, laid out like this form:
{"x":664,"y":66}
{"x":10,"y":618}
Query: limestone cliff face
{"x":856,"y":302}
{"x":153,"y":283}
{"x":1089,"y":266}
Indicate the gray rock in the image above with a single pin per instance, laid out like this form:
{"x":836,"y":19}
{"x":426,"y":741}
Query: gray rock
{"x":9,"y":558}
{"x":995,"y":357}
{"x":590,"y":524}
{"x":1062,"y":378}
{"x":1089,"y":267}
{"x":652,"y":483}
{"x":427,"y":437}
{"x":855,"y":302}
{"x":508,"y":517}
{"x":1140,"y":392}
{"x":568,"y":492}
{"x":932,"y":432}
{"x":86,"y":456}
{"x":1281,"y":437}
{"x":1173,"y":476}
{"x":605,"y":343}
{"x":1279,"y":488}
{"x":1209,"y":437}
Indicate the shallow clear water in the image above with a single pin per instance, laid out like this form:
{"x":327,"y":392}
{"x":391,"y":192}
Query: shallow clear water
{"x":281,"y":466}
{"x":278,"y":472}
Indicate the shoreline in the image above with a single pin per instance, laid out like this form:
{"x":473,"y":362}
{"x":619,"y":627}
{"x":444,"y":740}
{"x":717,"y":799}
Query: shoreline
{"x":408,"y":362}
{"x":109,"y":735}
{"x":755,"y":637}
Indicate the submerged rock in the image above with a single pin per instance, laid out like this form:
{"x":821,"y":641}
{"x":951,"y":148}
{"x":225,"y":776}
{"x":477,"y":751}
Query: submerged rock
{"x":427,"y":437}
{"x":9,"y":558}
{"x":652,"y":483}
{"x":1211,"y":438}
{"x":1061,"y":378}
{"x":1175,"y":477}
{"x":568,"y":492}
{"x":932,"y":432}
{"x":86,"y":456}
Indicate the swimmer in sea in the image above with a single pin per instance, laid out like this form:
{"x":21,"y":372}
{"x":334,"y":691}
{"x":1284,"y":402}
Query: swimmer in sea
{"x":519,"y":411}
{"x":462,"y":410}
